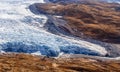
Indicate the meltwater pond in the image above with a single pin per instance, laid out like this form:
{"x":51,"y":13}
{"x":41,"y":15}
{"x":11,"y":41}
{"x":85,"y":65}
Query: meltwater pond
{"x":22,"y":31}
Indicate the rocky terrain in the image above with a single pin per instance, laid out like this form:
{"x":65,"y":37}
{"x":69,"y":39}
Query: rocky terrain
{"x":84,"y":1}
{"x":23,"y":29}
{"x":61,"y":35}
{"x":29,"y":63}
{"x":100,"y":21}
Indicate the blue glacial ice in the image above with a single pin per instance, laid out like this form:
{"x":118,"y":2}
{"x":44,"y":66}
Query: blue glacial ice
{"x":22,"y":31}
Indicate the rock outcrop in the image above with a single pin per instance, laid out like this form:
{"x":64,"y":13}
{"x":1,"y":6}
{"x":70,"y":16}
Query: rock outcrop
{"x":100,"y":21}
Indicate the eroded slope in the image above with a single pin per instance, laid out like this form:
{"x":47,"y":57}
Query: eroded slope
{"x":100,"y":21}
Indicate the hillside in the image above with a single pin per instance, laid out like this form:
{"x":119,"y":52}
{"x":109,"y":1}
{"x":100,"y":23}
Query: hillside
{"x":29,"y":63}
{"x":100,"y":21}
{"x":80,"y":1}
{"x":22,"y":31}
{"x":63,"y":36}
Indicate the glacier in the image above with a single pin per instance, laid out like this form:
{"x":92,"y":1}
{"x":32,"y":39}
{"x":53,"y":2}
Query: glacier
{"x":21,"y":31}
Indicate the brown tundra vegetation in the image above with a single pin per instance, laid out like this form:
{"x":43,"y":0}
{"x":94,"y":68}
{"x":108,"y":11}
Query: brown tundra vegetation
{"x":100,"y":21}
{"x":29,"y":63}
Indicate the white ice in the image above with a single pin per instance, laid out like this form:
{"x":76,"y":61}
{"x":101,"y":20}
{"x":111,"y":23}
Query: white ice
{"x":22,"y":31}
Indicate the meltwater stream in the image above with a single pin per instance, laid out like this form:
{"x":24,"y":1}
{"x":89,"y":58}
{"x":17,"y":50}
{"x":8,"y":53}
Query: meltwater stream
{"x":21,"y":31}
